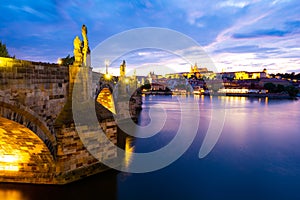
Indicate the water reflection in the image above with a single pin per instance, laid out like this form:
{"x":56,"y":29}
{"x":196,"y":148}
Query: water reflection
{"x":99,"y":186}
{"x":256,"y":157}
{"x":129,"y":149}
{"x":266,"y":100}
{"x":11,"y":194}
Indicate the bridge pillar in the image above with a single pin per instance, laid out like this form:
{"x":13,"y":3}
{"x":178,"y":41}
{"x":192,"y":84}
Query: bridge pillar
{"x":83,"y":77}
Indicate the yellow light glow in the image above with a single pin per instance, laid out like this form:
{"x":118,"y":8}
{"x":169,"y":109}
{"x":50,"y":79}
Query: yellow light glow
{"x":4,"y":62}
{"x":129,"y":150}
{"x":1,"y":62}
{"x":105,"y":98}
{"x":197,"y":97}
{"x":9,"y":162}
{"x":59,"y":61}
{"x":8,"y":158}
{"x":11,"y":194}
{"x":126,"y":80}
{"x":107,"y":76}
{"x":202,"y":98}
{"x":8,"y":167}
{"x":17,"y":145}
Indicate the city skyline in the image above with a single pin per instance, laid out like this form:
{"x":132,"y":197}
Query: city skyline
{"x":236,"y":35}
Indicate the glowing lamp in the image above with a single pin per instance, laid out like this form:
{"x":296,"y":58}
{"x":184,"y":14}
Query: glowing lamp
{"x":107,"y":76}
{"x":59,"y":61}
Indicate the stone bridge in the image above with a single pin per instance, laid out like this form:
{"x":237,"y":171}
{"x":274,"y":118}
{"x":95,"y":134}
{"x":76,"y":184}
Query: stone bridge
{"x":33,"y":94}
{"x":37,"y":96}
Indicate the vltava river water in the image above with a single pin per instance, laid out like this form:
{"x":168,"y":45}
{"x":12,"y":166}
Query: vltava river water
{"x":256,"y":157}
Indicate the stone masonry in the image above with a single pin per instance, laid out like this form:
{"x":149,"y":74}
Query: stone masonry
{"x":37,"y":96}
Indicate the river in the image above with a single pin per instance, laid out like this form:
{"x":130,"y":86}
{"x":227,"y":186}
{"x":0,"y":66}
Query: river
{"x":257,"y":156}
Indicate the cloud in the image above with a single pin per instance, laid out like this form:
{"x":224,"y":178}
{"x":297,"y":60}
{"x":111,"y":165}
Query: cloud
{"x":266,"y":35}
{"x":289,"y":27}
{"x":238,"y":4}
{"x":293,"y":25}
{"x":250,"y":62}
{"x":279,"y":1}
{"x":261,"y":33}
{"x":193,"y":16}
{"x":146,"y":60}
{"x":244,"y":49}
{"x":226,"y":34}
{"x":266,"y":30}
{"x":33,"y":12}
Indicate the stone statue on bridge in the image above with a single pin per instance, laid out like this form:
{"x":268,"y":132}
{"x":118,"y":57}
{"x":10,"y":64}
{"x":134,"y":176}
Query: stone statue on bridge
{"x":77,"y":51}
{"x":81,"y":49}
{"x":85,"y":48}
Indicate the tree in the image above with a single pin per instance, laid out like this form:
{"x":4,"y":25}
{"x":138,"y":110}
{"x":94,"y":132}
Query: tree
{"x":270,"y":87}
{"x":3,"y":50}
{"x":292,"y":90}
{"x":214,"y":85}
{"x":252,"y":86}
{"x":67,"y":60}
{"x":146,"y":86}
{"x":280,"y":88}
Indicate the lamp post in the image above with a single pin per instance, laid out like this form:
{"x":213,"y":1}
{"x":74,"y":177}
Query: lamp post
{"x":106,"y":62}
{"x":107,"y":76}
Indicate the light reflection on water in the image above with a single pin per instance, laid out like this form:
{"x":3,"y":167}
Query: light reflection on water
{"x":129,"y":149}
{"x":11,"y":194}
{"x":256,"y":157}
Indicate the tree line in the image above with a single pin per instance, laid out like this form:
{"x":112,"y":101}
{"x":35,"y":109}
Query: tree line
{"x":3,"y":50}
{"x":292,"y":75}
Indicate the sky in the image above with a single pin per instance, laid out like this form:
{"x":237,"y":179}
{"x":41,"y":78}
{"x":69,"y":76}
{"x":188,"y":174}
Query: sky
{"x":235,"y":34}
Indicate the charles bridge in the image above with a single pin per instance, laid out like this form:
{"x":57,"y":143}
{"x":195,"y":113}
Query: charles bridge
{"x":39,"y":141}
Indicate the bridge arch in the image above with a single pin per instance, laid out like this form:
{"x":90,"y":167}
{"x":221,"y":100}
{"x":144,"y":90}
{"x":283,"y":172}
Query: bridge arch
{"x":104,"y":96}
{"x":29,"y":119}
{"x":24,"y":157}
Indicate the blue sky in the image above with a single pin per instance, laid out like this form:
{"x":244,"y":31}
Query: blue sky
{"x":236,"y":35}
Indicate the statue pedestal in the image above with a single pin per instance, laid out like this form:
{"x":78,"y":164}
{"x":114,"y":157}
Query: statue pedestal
{"x":82,"y":77}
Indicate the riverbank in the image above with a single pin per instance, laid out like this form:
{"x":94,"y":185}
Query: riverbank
{"x":157,"y":92}
{"x":250,"y":95}
{"x":256,"y":95}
